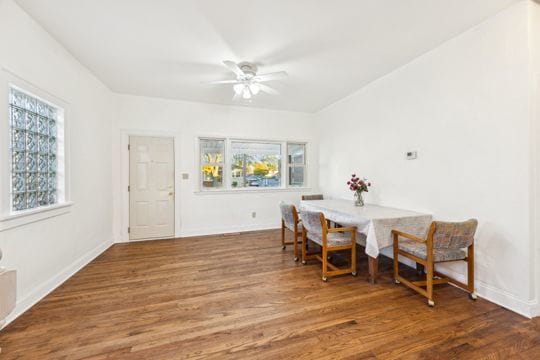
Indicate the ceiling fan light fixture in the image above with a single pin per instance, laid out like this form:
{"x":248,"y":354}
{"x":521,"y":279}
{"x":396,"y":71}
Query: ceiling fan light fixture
{"x":254,"y":88}
{"x":248,"y":82}
{"x":238,"y":88}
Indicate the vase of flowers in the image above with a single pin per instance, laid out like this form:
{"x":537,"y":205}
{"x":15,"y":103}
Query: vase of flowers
{"x":359,"y":186}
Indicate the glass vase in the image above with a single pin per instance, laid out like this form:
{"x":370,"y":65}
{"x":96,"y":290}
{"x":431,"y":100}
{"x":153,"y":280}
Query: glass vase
{"x":359,"y":200}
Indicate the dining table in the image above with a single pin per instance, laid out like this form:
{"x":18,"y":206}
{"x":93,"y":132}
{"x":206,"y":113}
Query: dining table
{"x":374,"y":224}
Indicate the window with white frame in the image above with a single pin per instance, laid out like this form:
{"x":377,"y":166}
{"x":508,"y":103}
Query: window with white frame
{"x":212,"y":153}
{"x":36,"y":130}
{"x":296,"y":161}
{"x":255,"y":164}
{"x":241,"y":164}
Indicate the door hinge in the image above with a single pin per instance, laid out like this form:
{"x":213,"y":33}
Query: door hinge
{"x":129,"y":147}
{"x":129,"y":188}
{"x":129,"y":229}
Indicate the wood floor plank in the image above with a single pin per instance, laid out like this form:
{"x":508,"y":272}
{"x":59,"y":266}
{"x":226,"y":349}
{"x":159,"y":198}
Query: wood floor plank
{"x":242,"y":297}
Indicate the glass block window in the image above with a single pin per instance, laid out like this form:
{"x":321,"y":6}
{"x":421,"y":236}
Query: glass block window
{"x":33,"y":126}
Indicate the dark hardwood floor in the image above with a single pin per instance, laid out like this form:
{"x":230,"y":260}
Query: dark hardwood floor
{"x":242,"y":297}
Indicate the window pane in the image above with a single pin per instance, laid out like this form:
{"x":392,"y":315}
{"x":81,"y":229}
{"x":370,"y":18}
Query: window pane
{"x":33,"y":148}
{"x":255,"y":164}
{"x":212,"y":176}
{"x":211,"y":152}
{"x":296,"y":175}
{"x":296,"y":153}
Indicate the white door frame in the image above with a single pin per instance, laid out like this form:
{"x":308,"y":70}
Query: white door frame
{"x":125,"y":135}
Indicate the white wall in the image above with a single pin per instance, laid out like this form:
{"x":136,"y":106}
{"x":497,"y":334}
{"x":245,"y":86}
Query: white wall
{"x":45,"y":253}
{"x":199,"y":214}
{"x":534,"y":43}
{"x":464,"y":107}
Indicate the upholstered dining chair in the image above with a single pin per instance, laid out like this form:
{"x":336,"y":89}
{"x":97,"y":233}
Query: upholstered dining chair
{"x":312,"y":197}
{"x":315,"y":228}
{"x":319,"y":197}
{"x":290,"y":221}
{"x":446,"y":241}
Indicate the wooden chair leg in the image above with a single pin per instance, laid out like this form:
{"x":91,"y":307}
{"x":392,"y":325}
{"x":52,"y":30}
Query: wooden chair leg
{"x":295,"y":245}
{"x":283,"y":235}
{"x":429,"y":282}
{"x":304,"y":246}
{"x":396,"y":260}
{"x":353,"y":255}
{"x":324,"y":264}
{"x":470,"y":272}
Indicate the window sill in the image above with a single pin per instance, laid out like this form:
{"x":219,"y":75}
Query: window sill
{"x":31,"y":216}
{"x":251,"y":191}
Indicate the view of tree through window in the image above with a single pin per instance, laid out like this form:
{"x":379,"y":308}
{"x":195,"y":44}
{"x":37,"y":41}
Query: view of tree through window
{"x":227,"y":164}
{"x":296,"y":158}
{"x":255,"y":164}
{"x":212,"y":151}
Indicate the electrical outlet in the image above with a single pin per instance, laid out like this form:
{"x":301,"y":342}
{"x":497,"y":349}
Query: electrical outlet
{"x":254,"y":214}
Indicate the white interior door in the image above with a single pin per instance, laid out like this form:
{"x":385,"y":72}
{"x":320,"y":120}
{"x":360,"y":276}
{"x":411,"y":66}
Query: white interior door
{"x":151,"y":187}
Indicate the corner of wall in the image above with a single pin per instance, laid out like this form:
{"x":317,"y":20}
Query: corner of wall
{"x":534,"y":45}
{"x":38,"y":294}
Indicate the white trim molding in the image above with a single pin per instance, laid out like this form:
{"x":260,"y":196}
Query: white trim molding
{"x":496,"y":295}
{"x":34,"y":215}
{"x":527,"y":308}
{"x":124,"y":168}
{"x":46,"y":288}
{"x":229,"y":229}
{"x":8,"y":218}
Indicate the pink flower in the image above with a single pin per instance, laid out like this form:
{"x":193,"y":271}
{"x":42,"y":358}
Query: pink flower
{"x":369,"y":184}
{"x":348,"y":183}
{"x":353,"y":175}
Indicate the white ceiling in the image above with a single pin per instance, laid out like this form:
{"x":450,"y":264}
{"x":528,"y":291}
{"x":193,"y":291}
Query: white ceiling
{"x":170,"y":48}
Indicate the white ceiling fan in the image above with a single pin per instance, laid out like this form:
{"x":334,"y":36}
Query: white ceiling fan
{"x":248,"y":83}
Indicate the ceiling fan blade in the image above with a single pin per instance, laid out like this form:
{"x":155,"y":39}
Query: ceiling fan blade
{"x":223,"y":82}
{"x":231,"y":65}
{"x":272,"y":76}
{"x":267,"y":89}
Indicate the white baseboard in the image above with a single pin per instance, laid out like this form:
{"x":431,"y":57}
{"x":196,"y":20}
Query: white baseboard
{"x":489,"y":292}
{"x":496,"y":295}
{"x":535,"y":311}
{"x":229,"y":229}
{"x":213,"y":231}
{"x":31,"y":299}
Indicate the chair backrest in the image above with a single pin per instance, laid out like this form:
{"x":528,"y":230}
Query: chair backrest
{"x":289,"y":215}
{"x":453,"y":235}
{"x":313,"y":221}
{"x":312,"y":197}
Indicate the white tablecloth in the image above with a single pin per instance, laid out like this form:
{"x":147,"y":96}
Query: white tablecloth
{"x":373,"y":221}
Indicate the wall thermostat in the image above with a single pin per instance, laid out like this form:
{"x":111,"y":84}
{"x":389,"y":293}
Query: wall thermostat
{"x":411,"y":155}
